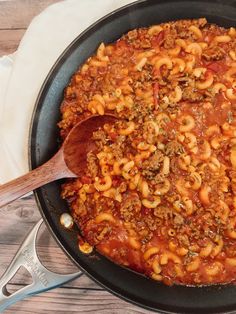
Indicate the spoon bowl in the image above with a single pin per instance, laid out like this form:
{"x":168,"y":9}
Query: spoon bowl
{"x":79,"y":142}
{"x":68,"y":162}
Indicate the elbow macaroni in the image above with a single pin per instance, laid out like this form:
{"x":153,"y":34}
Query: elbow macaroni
{"x":158,"y":193}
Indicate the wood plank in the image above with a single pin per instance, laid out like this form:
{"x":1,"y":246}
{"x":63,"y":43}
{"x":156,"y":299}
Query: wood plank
{"x":9,"y":40}
{"x":64,"y":300}
{"x":18,"y":218}
{"x":15,"y":14}
{"x":15,"y":17}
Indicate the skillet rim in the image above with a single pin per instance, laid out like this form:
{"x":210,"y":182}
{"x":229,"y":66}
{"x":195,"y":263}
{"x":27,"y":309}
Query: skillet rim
{"x":31,"y":158}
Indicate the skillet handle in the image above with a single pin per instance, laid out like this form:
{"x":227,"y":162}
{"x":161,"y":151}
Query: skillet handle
{"x":42,"y":278}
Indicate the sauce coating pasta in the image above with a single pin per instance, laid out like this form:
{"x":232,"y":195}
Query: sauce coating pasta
{"x":159,"y":193}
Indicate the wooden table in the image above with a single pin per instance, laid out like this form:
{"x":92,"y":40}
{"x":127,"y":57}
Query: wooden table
{"x":16,"y":220}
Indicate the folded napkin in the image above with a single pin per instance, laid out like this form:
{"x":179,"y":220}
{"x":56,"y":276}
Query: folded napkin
{"x":22,"y":74}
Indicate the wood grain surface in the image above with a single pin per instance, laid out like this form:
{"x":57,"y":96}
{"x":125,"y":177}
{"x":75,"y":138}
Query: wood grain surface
{"x":15,"y":16}
{"x":16,"y":220}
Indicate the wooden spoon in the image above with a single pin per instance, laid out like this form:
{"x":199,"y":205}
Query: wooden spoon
{"x":68,"y":162}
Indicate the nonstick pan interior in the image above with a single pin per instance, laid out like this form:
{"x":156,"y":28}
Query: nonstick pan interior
{"x":44,"y":143}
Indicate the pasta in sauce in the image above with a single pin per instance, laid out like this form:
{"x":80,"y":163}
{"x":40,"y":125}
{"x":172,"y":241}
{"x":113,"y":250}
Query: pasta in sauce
{"x":159,"y":194}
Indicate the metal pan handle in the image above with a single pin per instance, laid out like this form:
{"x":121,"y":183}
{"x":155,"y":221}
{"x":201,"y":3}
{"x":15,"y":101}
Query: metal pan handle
{"x":42,"y":278}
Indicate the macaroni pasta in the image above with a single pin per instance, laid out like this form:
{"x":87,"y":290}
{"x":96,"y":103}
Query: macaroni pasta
{"x":159,"y":193}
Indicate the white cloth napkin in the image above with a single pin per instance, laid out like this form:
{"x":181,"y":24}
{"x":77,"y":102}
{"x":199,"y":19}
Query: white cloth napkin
{"x":22,"y":74}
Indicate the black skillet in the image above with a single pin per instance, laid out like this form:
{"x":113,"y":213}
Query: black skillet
{"x":44,"y":136}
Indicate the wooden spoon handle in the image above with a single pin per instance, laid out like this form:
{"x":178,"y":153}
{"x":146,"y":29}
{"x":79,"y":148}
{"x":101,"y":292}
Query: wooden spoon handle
{"x":52,"y":170}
